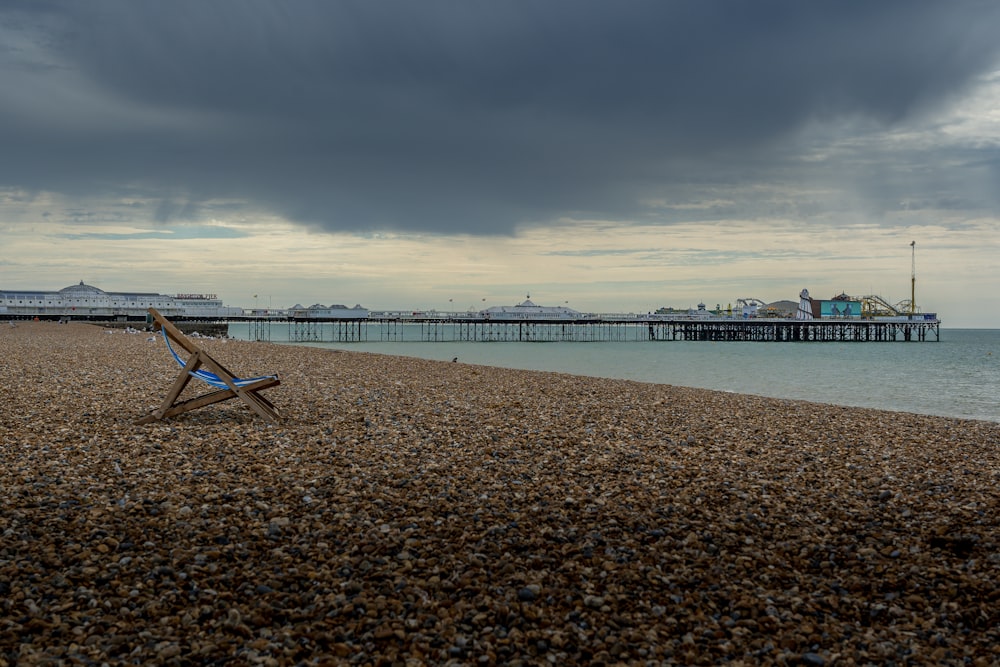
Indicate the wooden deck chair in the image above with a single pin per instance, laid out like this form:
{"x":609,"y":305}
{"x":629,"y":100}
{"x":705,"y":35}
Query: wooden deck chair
{"x":202,"y":366}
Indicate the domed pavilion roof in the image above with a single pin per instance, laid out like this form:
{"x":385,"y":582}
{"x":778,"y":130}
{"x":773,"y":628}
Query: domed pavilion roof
{"x":80,"y":290}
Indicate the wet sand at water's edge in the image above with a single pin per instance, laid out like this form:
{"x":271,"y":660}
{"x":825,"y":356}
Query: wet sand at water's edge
{"x":413,"y":512}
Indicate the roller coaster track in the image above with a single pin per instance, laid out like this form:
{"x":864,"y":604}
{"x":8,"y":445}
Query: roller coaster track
{"x":875,"y":305}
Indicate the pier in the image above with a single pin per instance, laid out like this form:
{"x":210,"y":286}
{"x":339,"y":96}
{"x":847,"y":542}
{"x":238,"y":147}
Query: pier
{"x":631,"y":329}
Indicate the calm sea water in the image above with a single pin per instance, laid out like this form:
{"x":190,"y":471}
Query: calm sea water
{"x":959,"y":376}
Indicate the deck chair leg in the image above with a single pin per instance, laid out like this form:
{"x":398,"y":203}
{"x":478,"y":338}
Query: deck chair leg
{"x":175,"y":390}
{"x":266,"y":402}
{"x":251,"y":396}
{"x":259,"y":404}
{"x":195,"y":403}
{"x":248,"y":399}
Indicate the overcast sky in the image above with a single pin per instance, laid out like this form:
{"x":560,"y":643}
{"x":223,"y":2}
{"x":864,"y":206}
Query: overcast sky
{"x":618,"y":156}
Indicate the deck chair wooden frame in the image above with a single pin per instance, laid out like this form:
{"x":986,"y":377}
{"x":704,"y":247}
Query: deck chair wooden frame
{"x":201,"y":365}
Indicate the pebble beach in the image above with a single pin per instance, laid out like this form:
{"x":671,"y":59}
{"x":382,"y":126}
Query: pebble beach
{"x":411,"y":512}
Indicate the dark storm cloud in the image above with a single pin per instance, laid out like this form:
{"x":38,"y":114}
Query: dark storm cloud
{"x":455,"y":116}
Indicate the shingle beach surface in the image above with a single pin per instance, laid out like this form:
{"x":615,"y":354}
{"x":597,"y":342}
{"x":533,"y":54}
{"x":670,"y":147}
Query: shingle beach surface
{"x":419,"y":512}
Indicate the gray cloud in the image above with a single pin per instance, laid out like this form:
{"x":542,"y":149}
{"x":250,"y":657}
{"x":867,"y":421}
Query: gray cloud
{"x":474,"y":116}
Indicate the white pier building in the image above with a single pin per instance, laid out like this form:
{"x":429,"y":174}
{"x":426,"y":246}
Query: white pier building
{"x":88,"y":302}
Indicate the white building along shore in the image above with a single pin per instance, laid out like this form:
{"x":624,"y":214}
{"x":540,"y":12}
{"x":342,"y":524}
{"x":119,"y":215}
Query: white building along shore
{"x":86,"y":301}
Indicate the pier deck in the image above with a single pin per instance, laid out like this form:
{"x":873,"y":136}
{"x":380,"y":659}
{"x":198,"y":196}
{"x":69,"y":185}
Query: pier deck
{"x":429,"y":329}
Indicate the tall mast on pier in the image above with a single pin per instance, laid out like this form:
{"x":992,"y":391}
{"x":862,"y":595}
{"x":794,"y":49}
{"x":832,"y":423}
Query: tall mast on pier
{"x":913,"y":276}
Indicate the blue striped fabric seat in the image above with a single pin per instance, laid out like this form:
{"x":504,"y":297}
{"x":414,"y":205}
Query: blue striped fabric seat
{"x":207,"y":376}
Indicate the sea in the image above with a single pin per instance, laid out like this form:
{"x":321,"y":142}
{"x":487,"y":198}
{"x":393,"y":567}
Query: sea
{"x":956,"y":376}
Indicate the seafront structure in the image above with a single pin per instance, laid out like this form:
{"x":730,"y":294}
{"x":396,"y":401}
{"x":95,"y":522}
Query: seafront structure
{"x":841,"y":318}
{"x":87,"y":302}
{"x":459,"y":328}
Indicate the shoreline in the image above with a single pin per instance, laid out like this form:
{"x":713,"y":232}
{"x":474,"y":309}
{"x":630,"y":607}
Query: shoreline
{"x":432,"y":511}
{"x":696,"y":368}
